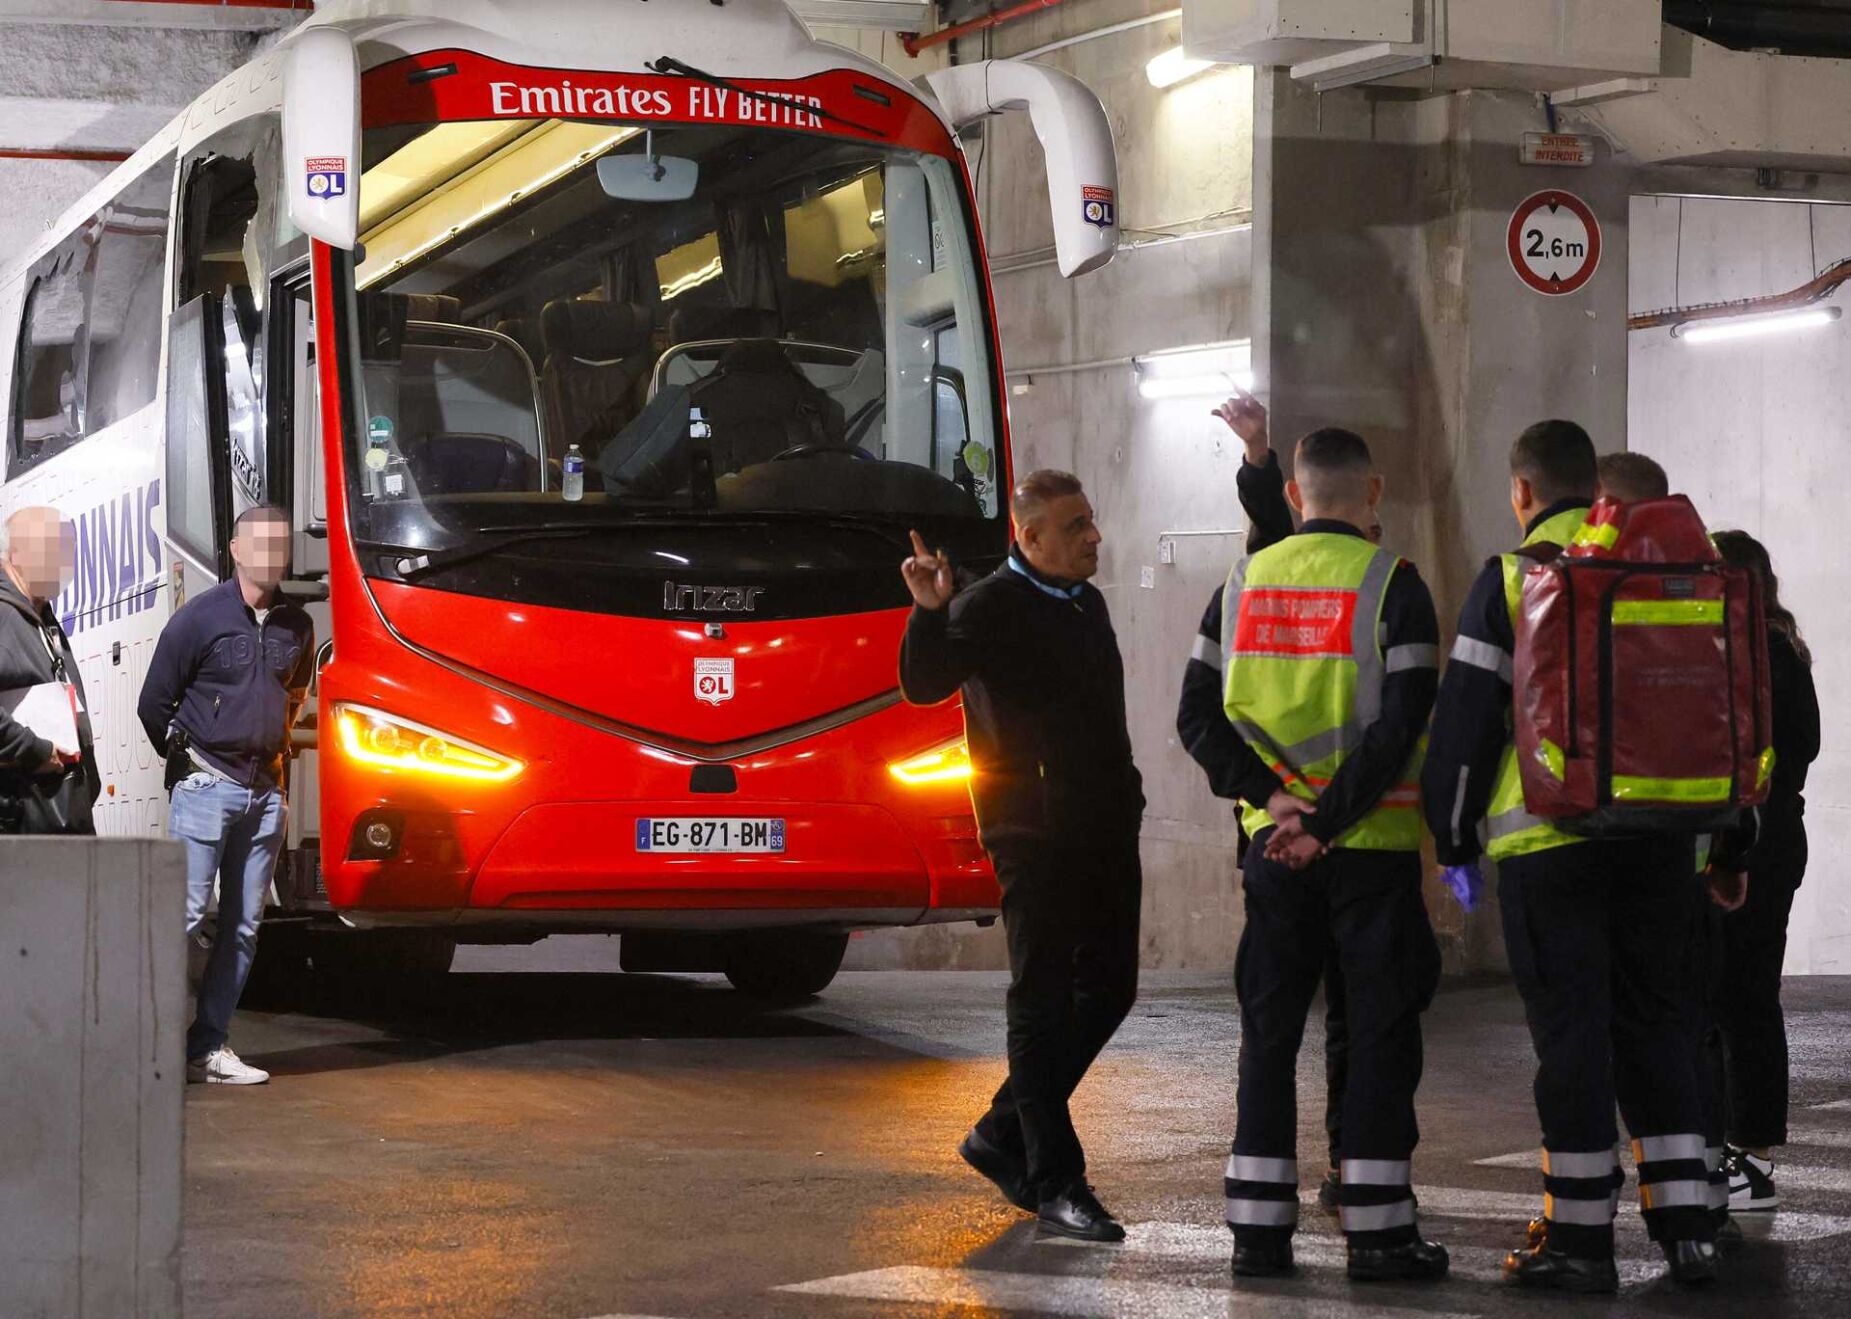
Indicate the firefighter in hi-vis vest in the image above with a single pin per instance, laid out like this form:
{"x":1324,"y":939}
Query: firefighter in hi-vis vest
{"x":1595,"y":930}
{"x":1331,"y":652}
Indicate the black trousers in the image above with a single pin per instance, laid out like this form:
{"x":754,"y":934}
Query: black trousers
{"x":1071,"y":914}
{"x":1748,"y":1000}
{"x":1336,"y":1055}
{"x":1367,"y":905}
{"x":1336,"y":1038}
{"x":1705,"y":965}
{"x":1598,"y":935}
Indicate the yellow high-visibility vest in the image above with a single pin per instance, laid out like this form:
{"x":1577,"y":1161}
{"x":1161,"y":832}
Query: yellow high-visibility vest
{"x":1513,"y":830}
{"x":1305,"y":666}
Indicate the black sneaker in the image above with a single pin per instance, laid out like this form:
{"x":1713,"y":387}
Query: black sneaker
{"x":1751,"y":1182}
{"x":1077,"y":1213}
{"x":1008,"y":1173}
{"x":1327,"y":1192}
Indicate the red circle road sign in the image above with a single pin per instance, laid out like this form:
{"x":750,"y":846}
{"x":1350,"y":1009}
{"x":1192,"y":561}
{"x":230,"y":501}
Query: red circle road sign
{"x":1554,"y":242}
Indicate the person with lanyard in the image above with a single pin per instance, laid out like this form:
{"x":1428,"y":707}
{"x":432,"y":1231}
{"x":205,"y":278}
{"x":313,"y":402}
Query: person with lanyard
{"x":45,"y":787}
{"x":229,"y":673}
{"x":1595,"y":929}
{"x":1203,"y":727}
{"x":1059,"y":806}
{"x":1331,"y":658}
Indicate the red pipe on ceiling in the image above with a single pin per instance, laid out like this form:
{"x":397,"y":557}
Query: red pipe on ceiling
{"x":1822,"y":285}
{"x":62,"y":153}
{"x":915,"y":43}
{"x":231,"y":4}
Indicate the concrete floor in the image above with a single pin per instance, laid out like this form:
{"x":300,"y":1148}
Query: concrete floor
{"x":538,"y":1136}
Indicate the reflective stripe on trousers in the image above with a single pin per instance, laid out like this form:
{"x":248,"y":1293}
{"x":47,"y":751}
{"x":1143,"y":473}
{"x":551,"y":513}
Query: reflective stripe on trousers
{"x":1383,"y":1180}
{"x":1261,"y":1191}
{"x":1581,"y":1187}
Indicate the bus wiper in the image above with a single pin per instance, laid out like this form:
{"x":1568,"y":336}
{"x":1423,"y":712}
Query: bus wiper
{"x":669,"y":64}
{"x":417,"y":563}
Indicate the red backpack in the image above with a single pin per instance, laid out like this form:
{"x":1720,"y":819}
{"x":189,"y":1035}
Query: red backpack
{"x":1641,"y":677}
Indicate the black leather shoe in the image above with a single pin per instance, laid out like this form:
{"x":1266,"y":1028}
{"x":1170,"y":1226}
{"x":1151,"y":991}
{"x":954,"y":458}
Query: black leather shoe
{"x":1411,"y":1261}
{"x":1009,"y":1174}
{"x":1271,"y":1260}
{"x":1077,"y":1213}
{"x":1327,"y":1192}
{"x":1542,"y":1267}
{"x":1693,"y":1263}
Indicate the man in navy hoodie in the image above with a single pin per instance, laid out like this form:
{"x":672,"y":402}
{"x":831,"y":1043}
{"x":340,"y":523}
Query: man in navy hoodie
{"x":230,"y":671}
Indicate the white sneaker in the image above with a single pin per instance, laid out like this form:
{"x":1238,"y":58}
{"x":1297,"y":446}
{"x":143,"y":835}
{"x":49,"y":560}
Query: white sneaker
{"x":223,"y":1067}
{"x":1751,"y":1182}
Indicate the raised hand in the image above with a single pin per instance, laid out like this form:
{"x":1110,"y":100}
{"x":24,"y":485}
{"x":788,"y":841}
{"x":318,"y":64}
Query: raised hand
{"x":928,"y":576}
{"x":1246,"y":417}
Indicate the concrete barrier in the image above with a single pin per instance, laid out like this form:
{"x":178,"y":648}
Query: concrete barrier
{"x":92,"y":1025}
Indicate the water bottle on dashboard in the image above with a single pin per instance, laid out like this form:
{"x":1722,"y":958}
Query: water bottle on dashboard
{"x":573,"y":488}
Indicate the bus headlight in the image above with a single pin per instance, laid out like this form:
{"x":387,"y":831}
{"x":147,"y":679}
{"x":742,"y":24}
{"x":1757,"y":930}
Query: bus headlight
{"x":386,"y":741}
{"x":946,"y":764}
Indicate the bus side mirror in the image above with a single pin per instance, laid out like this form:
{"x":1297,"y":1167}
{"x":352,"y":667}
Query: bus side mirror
{"x":321,"y":135}
{"x":1076,"y":141}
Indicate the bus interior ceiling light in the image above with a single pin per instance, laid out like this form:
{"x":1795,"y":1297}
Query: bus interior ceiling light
{"x":384,"y":741}
{"x":1211,"y":370}
{"x":1714,"y":329}
{"x":1173,"y":66}
{"x":945,"y":764}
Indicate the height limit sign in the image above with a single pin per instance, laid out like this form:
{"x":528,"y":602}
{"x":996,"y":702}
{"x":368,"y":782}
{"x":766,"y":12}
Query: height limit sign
{"x":1554,"y":242}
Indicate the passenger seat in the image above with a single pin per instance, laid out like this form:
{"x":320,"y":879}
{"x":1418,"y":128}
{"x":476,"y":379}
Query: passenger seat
{"x":597,"y":355}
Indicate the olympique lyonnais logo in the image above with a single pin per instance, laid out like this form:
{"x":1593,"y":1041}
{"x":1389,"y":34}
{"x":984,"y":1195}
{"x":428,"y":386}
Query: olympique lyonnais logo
{"x":327,"y":176}
{"x":1295,"y":623}
{"x":713,"y":680}
{"x":1098,"y":206}
{"x":693,"y":101}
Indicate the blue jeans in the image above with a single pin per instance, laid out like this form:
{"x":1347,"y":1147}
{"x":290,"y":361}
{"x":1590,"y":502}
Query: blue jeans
{"x":233,"y":836}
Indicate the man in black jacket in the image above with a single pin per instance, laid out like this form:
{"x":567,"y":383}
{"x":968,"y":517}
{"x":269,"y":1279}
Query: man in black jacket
{"x":44,"y":788}
{"x":1059,"y":804}
{"x":229,"y":673}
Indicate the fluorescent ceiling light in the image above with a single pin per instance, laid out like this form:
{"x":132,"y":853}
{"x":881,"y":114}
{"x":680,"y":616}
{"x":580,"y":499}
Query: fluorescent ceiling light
{"x":1208,"y":371}
{"x":1172,"y":67}
{"x":1753,"y":326}
{"x":1213,"y":384}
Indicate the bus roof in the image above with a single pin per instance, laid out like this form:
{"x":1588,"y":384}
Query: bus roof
{"x":738,"y":38}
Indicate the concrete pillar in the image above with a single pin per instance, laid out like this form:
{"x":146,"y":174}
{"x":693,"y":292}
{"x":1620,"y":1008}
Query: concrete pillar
{"x":1384,"y":300}
{"x":92,"y":1019}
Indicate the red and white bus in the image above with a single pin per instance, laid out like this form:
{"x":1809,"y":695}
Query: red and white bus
{"x":604,"y":354}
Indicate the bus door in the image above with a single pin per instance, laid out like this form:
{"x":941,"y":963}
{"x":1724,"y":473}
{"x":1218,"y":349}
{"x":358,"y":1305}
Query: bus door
{"x":242,"y":416}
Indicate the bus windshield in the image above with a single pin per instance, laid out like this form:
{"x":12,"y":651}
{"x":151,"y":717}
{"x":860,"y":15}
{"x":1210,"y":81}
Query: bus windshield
{"x":723,"y":323}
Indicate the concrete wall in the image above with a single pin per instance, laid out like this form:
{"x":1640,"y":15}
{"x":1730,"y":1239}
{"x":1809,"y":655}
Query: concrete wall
{"x":92,"y":1019}
{"x":1754,"y":431}
{"x":1185,"y":172}
{"x":1385,"y":301}
{"x":94,"y":88}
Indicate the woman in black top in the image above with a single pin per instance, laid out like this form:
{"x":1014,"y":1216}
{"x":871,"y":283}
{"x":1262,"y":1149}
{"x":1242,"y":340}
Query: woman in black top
{"x":1755,"y":937}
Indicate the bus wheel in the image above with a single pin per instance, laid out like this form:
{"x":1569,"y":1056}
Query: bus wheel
{"x":785,"y":965}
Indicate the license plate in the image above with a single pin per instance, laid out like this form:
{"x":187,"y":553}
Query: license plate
{"x":732,"y":833}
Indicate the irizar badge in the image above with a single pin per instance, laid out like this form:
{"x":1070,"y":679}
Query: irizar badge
{"x":713,"y":680}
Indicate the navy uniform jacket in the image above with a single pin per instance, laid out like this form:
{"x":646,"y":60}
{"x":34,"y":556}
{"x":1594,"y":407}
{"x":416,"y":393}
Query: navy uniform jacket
{"x":229,"y":682}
